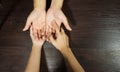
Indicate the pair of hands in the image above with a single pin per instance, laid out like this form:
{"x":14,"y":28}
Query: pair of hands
{"x":60,"y":42}
{"x":41,"y":23}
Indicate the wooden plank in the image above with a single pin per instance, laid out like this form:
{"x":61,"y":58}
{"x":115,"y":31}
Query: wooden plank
{"x":6,"y":7}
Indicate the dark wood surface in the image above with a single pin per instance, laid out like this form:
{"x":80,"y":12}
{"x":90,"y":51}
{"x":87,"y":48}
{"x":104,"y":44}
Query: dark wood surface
{"x":95,"y":39}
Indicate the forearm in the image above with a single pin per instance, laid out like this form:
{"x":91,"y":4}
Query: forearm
{"x":57,"y":4}
{"x":34,"y":60}
{"x":39,"y":4}
{"x":71,"y":60}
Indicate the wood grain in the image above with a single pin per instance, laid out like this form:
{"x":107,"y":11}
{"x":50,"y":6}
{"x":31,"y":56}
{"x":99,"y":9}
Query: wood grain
{"x":95,"y":38}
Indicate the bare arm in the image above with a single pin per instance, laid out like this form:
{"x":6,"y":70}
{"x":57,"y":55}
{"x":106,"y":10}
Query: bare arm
{"x":34,"y":60}
{"x":57,"y":4}
{"x":62,"y":44}
{"x":35,"y":55}
{"x":40,"y":4}
{"x":71,"y":60}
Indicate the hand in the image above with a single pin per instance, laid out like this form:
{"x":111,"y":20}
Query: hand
{"x":37,"y":20}
{"x":61,"y":42}
{"x":54,"y":14}
{"x":37,"y":41}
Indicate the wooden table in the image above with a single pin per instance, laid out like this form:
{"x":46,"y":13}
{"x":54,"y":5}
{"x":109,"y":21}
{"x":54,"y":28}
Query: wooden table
{"x":95,"y":38}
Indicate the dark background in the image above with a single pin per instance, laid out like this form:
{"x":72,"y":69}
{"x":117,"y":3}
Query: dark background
{"x":95,"y":38}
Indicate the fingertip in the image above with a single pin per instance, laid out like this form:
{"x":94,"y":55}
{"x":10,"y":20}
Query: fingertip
{"x":70,"y":29}
{"x":24,"y":29}
{"x":27,"y":26}
{"x":51,"y":38}
{"x":43,"y":37}
{"x":66,"y":24}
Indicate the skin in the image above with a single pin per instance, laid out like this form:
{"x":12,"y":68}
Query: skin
{"x":35,"y":55}
{"x":62,"y":44}
{"x":37,"y":18}
{"x":42,"y":24}
{"x":56,"y":14}
{"x":42,"y":20}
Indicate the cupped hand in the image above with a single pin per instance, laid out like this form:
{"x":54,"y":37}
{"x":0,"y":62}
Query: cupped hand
{"x":57,"y":15}
{"x":37,"y":20}
{"x":36,"y":40}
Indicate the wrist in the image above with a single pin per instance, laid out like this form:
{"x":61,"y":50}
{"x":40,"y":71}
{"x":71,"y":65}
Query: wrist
{"x":56,"y":4}
{"x":36,"y":46}
{"x":36,"y":49}
{"x":39,"y":4}
{"x":56,"y":7}
{"x":39,"y":9}
{"x":65,"y":50}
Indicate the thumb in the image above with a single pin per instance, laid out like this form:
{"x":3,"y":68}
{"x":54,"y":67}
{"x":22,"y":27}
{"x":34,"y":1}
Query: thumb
{"x":28,"y":24}
{"x":67,"y":26}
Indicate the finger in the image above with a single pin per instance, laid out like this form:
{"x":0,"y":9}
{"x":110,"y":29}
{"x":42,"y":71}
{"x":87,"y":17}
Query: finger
{"x":67,"y":26}
{"x":39,"y":33}
{"x":35,"y":33}
{"x":46,"y":30}
{"x":50,"y":31}
{"x":62,"y":31}
{"x":31,"y":32}
{"x":42,"y":27}
{"x":53,"y":30}
{"x":28,"y":24}
{"x":56,"y":27}
{"x":37,"y":36}
{"x":46,"y":33}
{"x":51,"y":39}
{"x":43,"y":32}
